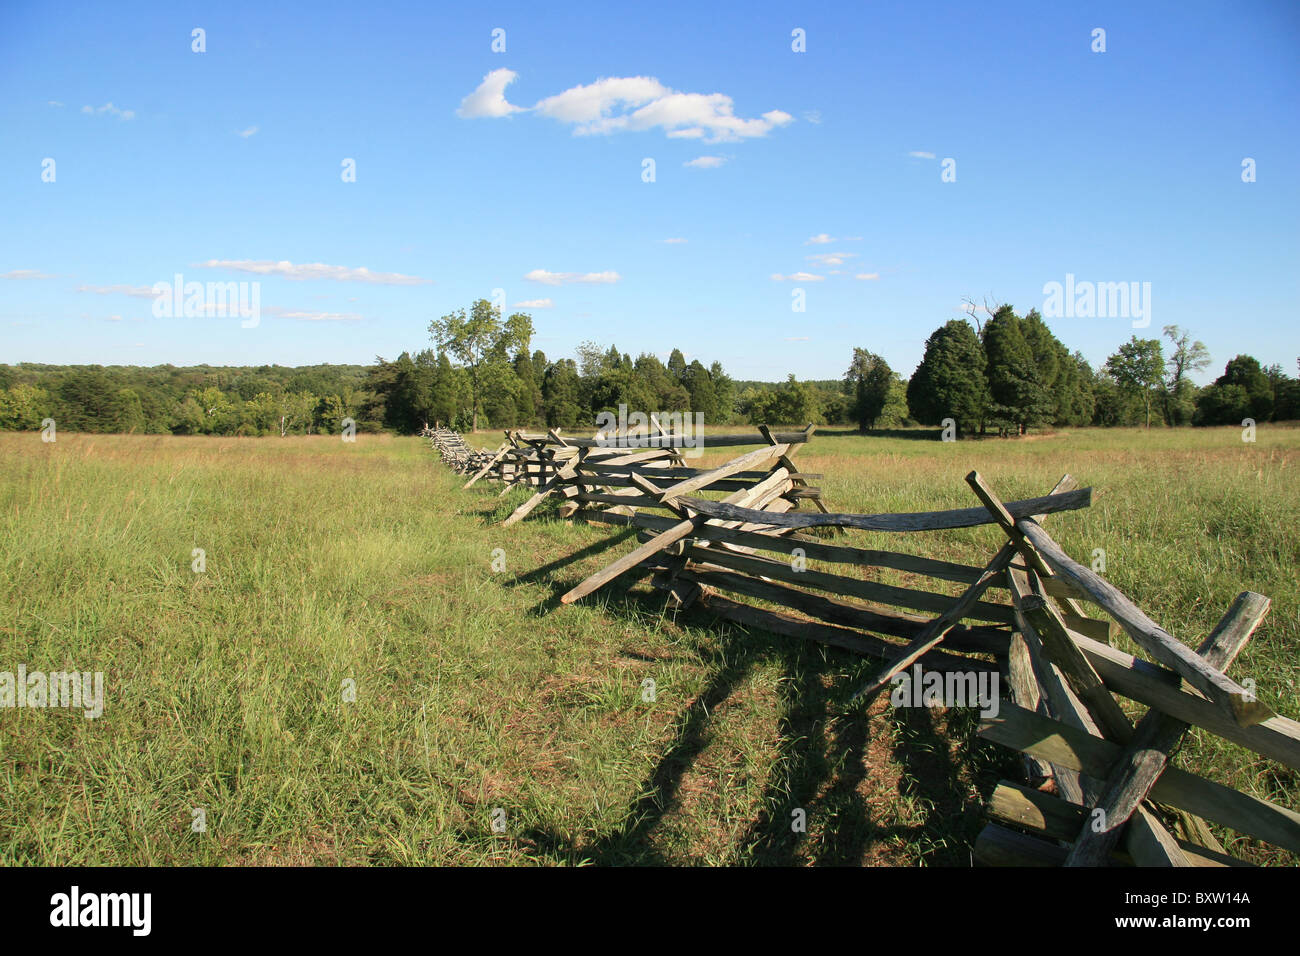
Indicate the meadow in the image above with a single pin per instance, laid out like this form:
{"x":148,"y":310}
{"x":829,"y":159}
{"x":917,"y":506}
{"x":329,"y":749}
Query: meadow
{"x":348,"y":680}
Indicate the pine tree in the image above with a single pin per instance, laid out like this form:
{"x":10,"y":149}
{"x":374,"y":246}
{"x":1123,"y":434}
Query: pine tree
{"x":949,"y":382}
{"x":677,"y":365}
{"x":1019,"y":395}
{"x":870,"y":381}
{"x":724,"y":393}
{"x":700,"y":385}
{"x":528,"y":396}
{"x":560,"y":391}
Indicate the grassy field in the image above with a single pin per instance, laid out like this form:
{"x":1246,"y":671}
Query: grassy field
{"x":333,"y":565}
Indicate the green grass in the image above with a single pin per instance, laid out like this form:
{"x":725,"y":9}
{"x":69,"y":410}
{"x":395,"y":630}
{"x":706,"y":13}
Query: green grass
{"x":329,"y":562}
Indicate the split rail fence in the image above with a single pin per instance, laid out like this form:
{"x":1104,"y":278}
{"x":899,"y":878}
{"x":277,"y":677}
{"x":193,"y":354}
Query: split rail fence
{"x":1099,"y":788}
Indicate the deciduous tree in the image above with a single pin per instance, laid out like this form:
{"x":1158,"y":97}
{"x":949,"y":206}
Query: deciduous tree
{"x":1138,"y":369}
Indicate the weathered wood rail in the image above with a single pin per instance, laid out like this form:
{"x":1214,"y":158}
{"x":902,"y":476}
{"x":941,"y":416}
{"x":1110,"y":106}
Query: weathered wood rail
{"x":1100,"y":786}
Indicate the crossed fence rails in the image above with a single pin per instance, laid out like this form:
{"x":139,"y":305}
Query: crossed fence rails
{"x":1099,"y":786}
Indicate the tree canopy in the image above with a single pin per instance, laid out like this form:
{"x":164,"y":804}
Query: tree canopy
{"x":1010,"y":376}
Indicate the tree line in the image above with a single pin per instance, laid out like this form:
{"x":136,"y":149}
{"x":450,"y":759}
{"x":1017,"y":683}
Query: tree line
{"x":1004,"y":375}
{"x":1010,"y":373}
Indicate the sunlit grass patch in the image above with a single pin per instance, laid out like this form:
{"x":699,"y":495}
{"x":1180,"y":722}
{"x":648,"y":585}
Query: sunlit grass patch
{"x":330,"y":566}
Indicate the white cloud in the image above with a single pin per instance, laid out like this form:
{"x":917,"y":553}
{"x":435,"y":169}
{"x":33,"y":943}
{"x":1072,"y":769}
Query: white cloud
{"x":534,"y":304}
{"x":798,"y":338}
{"x":309,"y":316}
{"x":628,"y":103}
{"x":245,"y":133}
{"x":561,"y":278}
{"x":824,"y":239}
{"x":136,"y":291}
{"x":25,"y":274}
{"x":814,"y":117}
{"x":111,"y":110}
{"x":868,"y":276}
{"x":591,"y":106}
{"x":705,"y":162}
{"x":54,"y":103}
{"x":673,"y":242}
{"x":312,"y":270}
{"x":832,"y":258}
{"x":489,"y":100}
{"x":920,"y":154}
{"x":798,"y":277}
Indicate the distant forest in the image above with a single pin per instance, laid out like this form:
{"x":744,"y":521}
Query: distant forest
{"x":1002,"y":375}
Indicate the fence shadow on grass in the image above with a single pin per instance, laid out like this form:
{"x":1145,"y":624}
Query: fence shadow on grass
{"x":632,"y":843}
{"x":540,"y":575}
{"x":933,"y":778}
{"x":822,"y":765}
{"x":827,"y":762}
{"x":821,"y":769}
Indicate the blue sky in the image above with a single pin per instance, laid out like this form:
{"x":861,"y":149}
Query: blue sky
{"x":1122,"y":166}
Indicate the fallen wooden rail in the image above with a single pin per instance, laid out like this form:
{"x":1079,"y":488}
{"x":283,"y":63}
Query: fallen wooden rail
{"x":917,"y":521}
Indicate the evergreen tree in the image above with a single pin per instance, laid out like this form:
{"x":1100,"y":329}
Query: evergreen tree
{"x":724,"y":394}
{"x":677,"y":365}
{"x":949,"y":382}
{"x":699,"y":384}
{"x":870,"y":382}
{"x":1074,"y":394}
{"x":1020,"y":397}
{"x":1056,"y":373}
{"x":447,"y":397}
{"x":560,"y":394}
{"x":87,"y":401}
{"x":528,"y":395}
